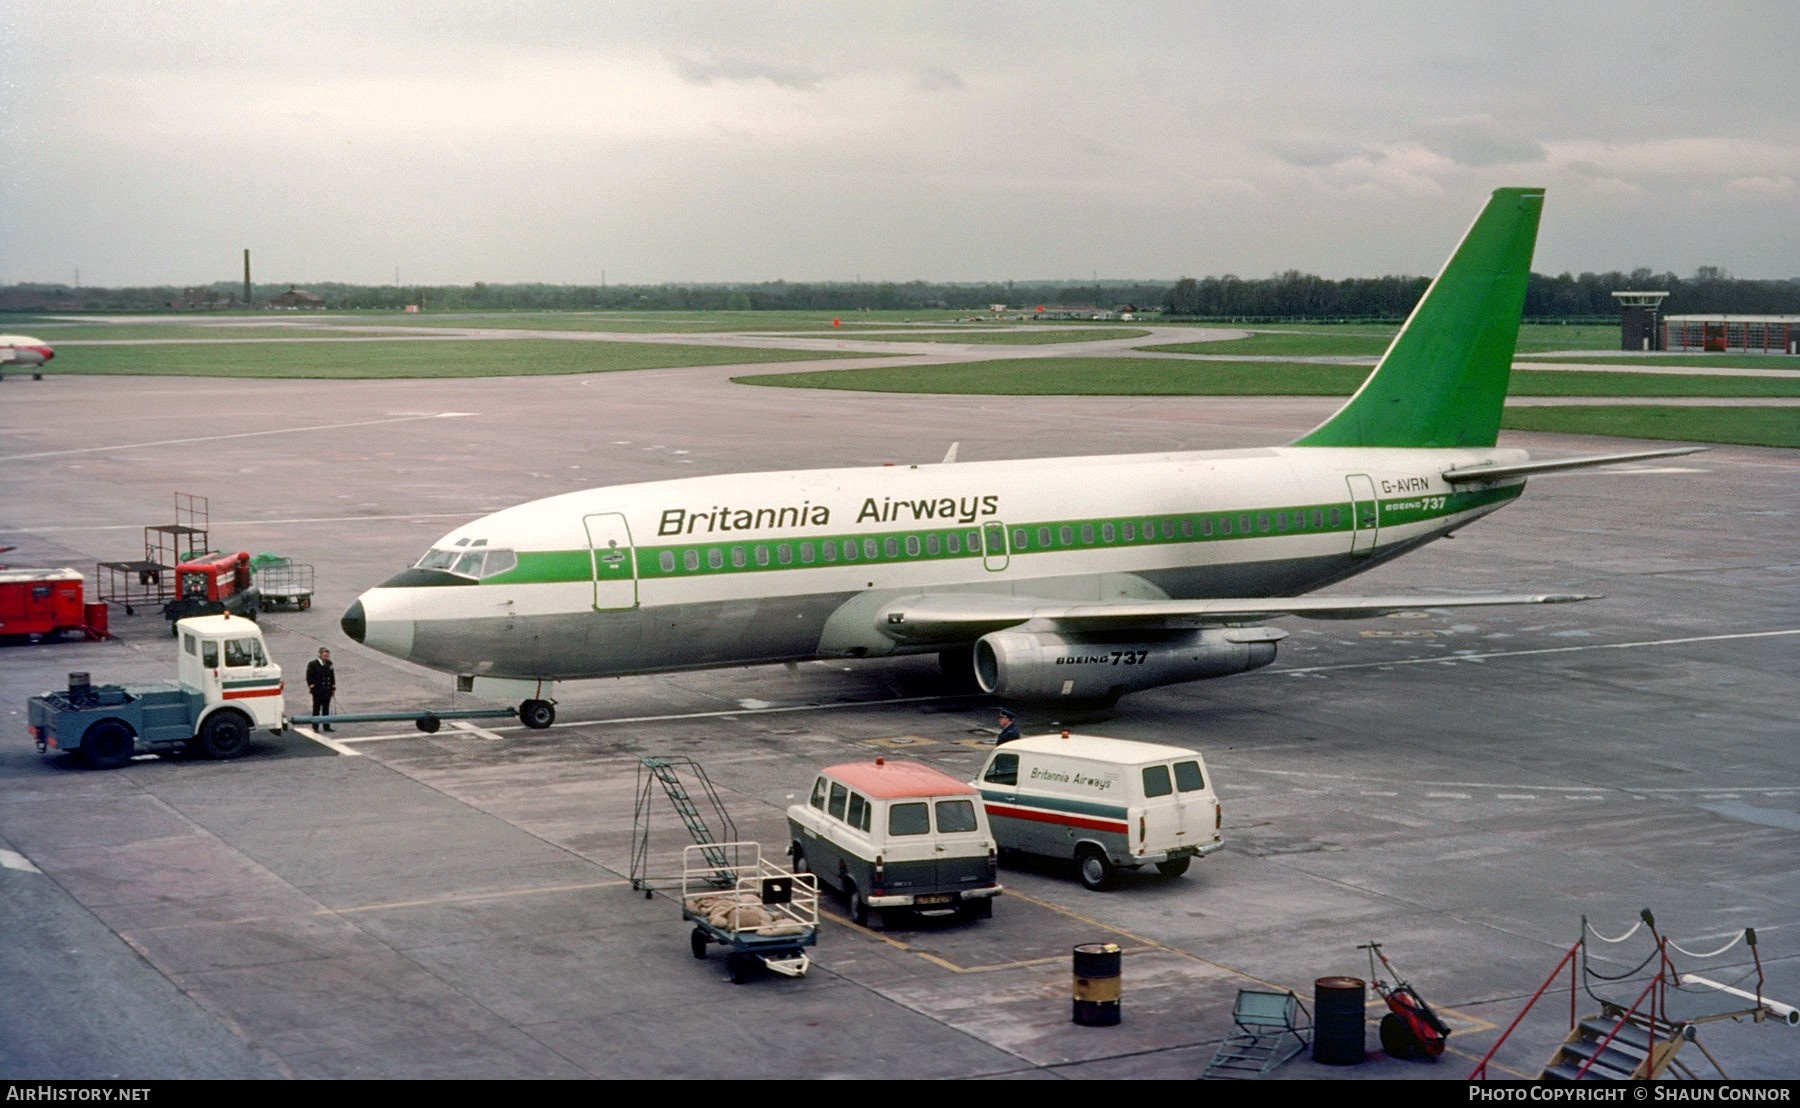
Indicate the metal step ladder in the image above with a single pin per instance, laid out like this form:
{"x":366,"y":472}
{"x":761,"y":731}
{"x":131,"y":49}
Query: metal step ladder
{"x":1612,"y":1046}
{"x":1271,"y":1028}
{"x":669,"y":774}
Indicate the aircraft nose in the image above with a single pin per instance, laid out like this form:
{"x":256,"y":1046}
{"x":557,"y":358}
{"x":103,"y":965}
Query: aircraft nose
{"x":353,"y":623}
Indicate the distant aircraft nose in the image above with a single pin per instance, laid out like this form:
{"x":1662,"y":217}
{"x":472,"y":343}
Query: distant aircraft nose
{"x":353,"y":623}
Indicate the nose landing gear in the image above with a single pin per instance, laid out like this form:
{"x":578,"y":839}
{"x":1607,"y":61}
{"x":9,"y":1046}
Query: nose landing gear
{"x":537,"y":714}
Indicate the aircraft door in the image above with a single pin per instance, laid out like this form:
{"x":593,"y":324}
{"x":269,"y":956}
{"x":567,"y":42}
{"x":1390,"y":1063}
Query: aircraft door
{"x":614,"y":562}
{"x":993,"y":545}
{"x":1365,"y":513}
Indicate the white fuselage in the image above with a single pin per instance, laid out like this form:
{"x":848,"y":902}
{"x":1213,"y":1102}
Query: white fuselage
{"x":23,"y":350}
{"x":753,"y":568}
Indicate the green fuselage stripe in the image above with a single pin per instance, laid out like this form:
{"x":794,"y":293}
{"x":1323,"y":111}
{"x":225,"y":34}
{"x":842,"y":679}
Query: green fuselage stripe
{"x":763,"y":553}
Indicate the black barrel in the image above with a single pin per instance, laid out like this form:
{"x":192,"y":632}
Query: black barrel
{"x":1338,"y":1030}
{"x":1097,"y":984}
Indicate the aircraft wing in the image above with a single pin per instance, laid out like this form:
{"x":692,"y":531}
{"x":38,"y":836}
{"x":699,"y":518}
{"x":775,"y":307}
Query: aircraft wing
{"x":935,"y":617}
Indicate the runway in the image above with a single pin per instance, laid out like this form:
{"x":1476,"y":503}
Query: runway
{"x":1463,"y":788}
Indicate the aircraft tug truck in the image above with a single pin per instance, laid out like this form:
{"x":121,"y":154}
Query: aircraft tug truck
{"x":227,"y":686}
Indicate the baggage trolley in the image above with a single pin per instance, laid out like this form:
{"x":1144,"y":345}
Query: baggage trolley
{"x":765,"y":915}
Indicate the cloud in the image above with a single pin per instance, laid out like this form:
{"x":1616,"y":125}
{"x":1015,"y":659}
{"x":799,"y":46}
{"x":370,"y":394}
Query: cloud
{"x":934,"y":79}
{"x":714,"y":70}
{"x":1479,"y":141}
{"x":1307,"y":153}
{"x":1764,"y":186}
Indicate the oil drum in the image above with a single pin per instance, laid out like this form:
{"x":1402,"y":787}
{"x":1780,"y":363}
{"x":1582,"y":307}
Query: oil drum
{"x":1338,"y":1014}
{"x":1096,"y":968}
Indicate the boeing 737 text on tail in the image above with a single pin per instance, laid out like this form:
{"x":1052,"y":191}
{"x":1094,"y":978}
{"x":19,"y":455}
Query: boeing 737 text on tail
{"x":1054,"y":579}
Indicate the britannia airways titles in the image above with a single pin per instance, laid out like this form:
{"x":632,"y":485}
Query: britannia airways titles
{"x":720,"y":518}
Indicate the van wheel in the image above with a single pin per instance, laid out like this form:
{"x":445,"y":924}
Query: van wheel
{"x":1174,"y":867}
{"x":801,"y":865}
{"x":979,"y":909}
{"x":875,"y":919}
{"x":107,"y":745}
{"x":1096,"y":872}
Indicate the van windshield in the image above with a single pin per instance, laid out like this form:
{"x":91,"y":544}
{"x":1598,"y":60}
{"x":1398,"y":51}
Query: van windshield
{"x":1188,"y":777}
{"x":955,"y":815}
{"x":909,"y":819}
{"x":1156,"y":781}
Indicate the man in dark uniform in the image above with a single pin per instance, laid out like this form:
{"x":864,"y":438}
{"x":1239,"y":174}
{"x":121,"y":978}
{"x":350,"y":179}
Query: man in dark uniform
{"x":1008,"y":729}
{"x":322,"y":680}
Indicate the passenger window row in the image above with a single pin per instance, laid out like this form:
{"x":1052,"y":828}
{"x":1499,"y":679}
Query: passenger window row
{"x":1042,"y":537}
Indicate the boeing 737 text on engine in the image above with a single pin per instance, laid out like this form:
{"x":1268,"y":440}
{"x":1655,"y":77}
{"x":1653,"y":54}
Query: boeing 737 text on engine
{"x":1073,"y":578}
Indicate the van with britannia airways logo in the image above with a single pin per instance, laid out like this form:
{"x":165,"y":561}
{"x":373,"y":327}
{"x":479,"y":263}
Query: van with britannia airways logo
{"x":1106,"y":804}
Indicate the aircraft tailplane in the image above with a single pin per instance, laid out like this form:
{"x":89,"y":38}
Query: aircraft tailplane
{"x":1443,"y":379}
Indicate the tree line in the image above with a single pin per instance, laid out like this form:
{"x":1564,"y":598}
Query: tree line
{"x":1287,"y":295}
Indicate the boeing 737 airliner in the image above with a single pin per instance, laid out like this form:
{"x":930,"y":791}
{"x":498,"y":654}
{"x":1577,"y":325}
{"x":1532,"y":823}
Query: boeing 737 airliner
{"x":1076,"y":578}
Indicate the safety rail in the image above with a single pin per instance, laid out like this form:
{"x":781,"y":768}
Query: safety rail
{"x":1648,"y":1012}
{"x":1568,"y":959}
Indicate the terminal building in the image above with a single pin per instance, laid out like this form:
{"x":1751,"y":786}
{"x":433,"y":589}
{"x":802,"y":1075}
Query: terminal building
{"x":1744,"y":334}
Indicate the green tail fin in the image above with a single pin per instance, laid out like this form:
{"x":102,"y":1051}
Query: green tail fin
{"x":1443,"y":380}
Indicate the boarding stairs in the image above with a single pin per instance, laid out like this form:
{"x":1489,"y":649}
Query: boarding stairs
{"x":1271,"y":1028}
{"x":687,"y":787}
{"x":1638,"y":1039}
{"x":1615,"y":1045}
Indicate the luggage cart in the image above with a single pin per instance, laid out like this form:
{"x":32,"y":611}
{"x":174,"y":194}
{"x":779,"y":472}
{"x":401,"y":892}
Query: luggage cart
{"x":765,"y":915}
{"x":285,"y":583}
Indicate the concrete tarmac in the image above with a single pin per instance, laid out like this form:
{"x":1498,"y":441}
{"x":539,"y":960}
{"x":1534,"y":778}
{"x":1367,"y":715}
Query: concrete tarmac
{"x":1464,"y":787}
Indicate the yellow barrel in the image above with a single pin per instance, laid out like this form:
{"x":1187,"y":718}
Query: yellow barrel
{"x":1097,"y":984}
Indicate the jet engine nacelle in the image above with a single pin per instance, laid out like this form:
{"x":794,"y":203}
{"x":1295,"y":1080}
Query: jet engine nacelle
{"x":1046,"y":665}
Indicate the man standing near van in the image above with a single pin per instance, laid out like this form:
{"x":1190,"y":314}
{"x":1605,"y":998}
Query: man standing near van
{"x":322,"y":680}
{"x":1008,"y":729}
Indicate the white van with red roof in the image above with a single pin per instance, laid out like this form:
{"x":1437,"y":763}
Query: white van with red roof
{"x":895,"y":836}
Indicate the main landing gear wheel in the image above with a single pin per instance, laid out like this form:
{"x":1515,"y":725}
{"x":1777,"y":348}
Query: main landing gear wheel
{"x":537,"y":714}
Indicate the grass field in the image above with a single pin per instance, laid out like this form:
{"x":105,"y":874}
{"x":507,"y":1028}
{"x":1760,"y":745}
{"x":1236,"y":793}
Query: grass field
{"x":1169,"y":377}
{"x":408,"y":358}
{"x":479,"y":344}
{"x":1744,"y":426}
{"x":1013,"y":336}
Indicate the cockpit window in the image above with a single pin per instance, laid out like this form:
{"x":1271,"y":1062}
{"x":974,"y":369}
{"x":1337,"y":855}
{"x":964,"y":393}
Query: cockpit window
{"x":478,"y":562}
{"x":437,"y":559}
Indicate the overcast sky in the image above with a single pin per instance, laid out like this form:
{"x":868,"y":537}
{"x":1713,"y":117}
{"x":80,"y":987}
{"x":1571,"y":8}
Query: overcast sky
{"x":644,"y":141}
